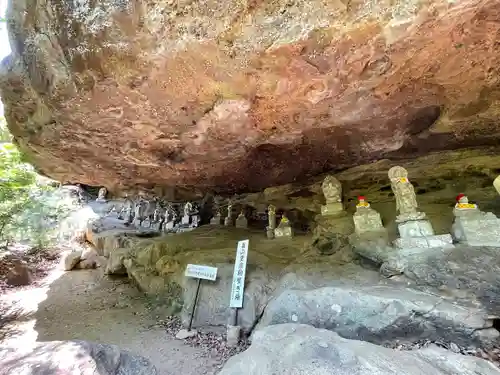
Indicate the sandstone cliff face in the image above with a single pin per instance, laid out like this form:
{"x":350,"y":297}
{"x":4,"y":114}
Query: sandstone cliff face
{"x":239,"y":95}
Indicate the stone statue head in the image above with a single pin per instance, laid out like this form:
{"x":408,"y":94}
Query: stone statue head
{"x":462,"y":198}
{"x":271,"y":209}
{"x":332,"y":189}
{"x":496,"y":184}
{"x":397,"y":172}
{"x":102,"y":193}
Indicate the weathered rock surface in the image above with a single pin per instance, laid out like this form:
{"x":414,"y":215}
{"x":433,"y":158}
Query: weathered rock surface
{"x":379,"y":314}
{"x":474,"y":271}
{"x":227,"y":94}
{"x":301,"y":349}
{"x":71,"y":259}
{"x":72,"y":357}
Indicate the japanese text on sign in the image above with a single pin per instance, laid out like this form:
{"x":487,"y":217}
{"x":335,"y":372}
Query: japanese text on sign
{"x":201,"y":272}
{"x":240,"y":265}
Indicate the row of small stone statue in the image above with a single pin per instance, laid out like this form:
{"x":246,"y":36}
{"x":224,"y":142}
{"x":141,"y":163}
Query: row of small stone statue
{"x":155,"y":214}
{"x":471,"y":226}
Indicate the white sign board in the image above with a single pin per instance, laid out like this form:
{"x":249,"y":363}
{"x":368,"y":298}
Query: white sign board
{"x":201,"y":272}
{"x":240,"y":266}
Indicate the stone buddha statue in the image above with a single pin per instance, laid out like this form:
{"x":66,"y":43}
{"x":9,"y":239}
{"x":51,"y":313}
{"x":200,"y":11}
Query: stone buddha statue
{"x":496,"y":184}
{"x":284,"y":228}
{"x":406,"y":199}
{"x":101,"y":196}
{"x":366,"y":219}
{"x":332,"y":190}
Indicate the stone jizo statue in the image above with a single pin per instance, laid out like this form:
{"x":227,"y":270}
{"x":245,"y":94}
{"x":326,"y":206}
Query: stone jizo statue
{"x":362,"y":203}
{"x":366,"y":219}
{"x":188,"y":208}
{"x":228,"y":221}
{"x":284,"y":228}
{"x":332,"y":190}
{"x":271,"y":217}
{"x":406,"y":199}
{"x":463,"y":203}
{"x":101,"y":196}
{"x":496,"y":184}
{"x":241,"y":220}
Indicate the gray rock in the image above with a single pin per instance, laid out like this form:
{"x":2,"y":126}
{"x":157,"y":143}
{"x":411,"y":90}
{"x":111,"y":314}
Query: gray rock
{"x":378,"y":314}
{"x":71,"y":259}
{"x":300,"y":349}
{"x":73,"y":357}
{"x":115,"y":265}
{"x":470,"y":270}
{"x":213,"y":309}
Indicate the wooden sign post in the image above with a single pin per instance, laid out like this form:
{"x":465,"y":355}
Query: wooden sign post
{"x":237,"y":291}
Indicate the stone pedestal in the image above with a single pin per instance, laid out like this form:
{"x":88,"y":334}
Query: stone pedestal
{"x":332,"y":209}
{"x":419,"y":234}
{"x":283,"y":231}
{"x":195,"y":221}
{"x":241,"y":221}
{"x":228,"y":221}
{"x":185,"y":220}
{"x":233,"y":335}
{"x":367,"y":220}
{"x":216,"y":220}
{"x":169,"y":226}
{"x":270,"y":233}
{"x":341,"y":223}
{"x":477,"y":229}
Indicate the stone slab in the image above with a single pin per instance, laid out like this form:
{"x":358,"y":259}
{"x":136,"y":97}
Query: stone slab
{"x":481,"y":230}
{"x":415,"y":228}
{"x":283,"y":232}
{"x":332,"y":209}
{"x":440,"y":240}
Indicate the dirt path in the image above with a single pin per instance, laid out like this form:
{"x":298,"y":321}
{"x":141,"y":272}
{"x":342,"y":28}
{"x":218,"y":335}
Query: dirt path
{"x":88,"y":306}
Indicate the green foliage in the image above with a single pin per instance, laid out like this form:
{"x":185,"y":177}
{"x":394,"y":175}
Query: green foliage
{"x":29,"y":210}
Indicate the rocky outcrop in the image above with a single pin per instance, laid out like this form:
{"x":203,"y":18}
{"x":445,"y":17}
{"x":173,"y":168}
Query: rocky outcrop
{"x":301,"y":349}
{"x":379,"y":314}
{"x":73,"y":357}
{"x":229,"y":95}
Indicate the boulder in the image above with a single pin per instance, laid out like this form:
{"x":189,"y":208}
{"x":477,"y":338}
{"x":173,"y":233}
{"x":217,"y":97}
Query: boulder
{"x":472,"y":271}
{"x":71,"y":259}
{"x":88,"y":260}
{"x":213,"y":308}
{"x":301,"y":349}
{"x":73,"y":357}
{"x":293,"y":89}
{"x":19,"y":274}
{"x":115,"y":265}
{"x":379,"y":314}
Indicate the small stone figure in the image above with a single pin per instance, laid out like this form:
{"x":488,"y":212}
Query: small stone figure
{"x":186,"y":219}
{"x":228,"y":221}
{"x":473,"y":226}
{"x":496,"y":184}
{"x":415,"y":230}
{"x":366,"y":219}
{"x":332,"y":190}
{"x":101,"y":196}
{"x":463,"y":207}
{"x":140,"y":210}
{"x":284,"y":228}
{"x":241,"y":220}
{"x":271,"y":217}
{"x":406,"y":199}
{"x":216,"y":220}
{"x":123,"y":214}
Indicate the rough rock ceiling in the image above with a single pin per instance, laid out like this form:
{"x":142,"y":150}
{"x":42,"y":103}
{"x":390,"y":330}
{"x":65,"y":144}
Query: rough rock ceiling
{"x":236,"y":95}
